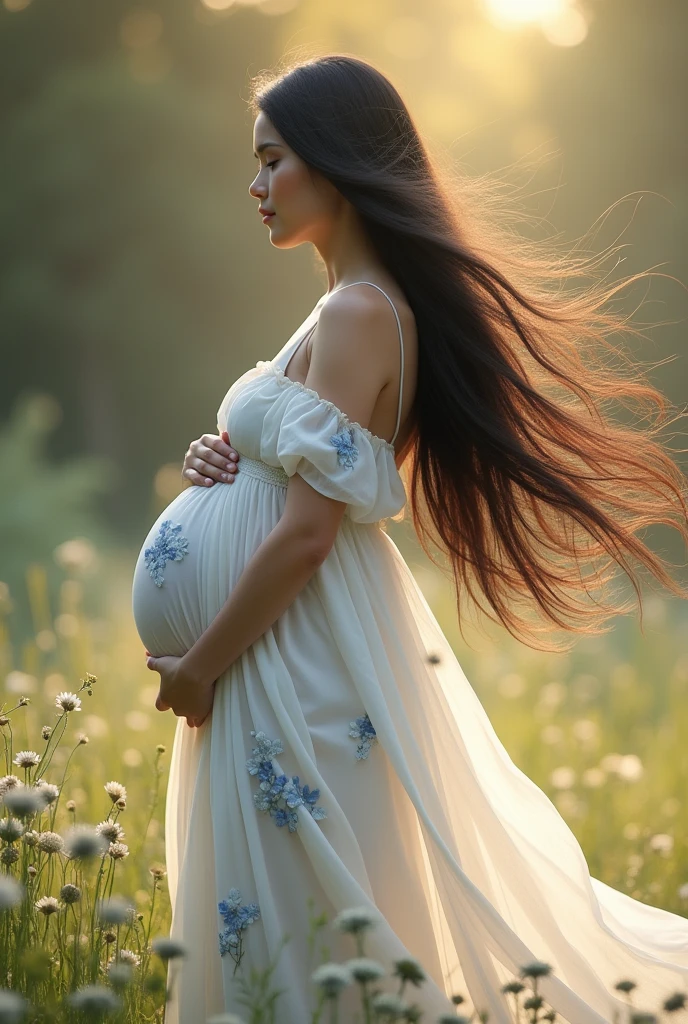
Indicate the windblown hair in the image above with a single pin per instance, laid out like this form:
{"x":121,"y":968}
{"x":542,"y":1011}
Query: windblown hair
{"x":516,"y":469}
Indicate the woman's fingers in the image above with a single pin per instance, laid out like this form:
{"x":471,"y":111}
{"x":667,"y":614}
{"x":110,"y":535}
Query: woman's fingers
{"x":210,"y":459}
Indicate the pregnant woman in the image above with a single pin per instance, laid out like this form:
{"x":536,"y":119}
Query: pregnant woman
{"x":329,"y":746}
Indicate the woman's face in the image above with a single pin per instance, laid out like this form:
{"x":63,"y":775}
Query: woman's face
{"x":302,"y":201}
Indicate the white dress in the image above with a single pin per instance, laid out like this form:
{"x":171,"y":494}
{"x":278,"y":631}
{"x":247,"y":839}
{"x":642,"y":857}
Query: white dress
{"x":419,"y":815}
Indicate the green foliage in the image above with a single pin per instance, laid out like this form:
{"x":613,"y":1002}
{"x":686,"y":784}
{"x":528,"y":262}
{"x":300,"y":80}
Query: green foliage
{"x":44,"y":503}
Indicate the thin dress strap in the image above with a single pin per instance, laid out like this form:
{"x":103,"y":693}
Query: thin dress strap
{"x":299,"y":342}
{"x":401,"y":345}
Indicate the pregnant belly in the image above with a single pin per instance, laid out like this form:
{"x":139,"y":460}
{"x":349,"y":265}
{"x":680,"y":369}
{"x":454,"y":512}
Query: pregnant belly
{"x":192,"y":557}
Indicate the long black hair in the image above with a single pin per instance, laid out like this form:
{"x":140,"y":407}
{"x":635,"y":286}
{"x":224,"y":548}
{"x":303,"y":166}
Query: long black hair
{"x":515,"y":469}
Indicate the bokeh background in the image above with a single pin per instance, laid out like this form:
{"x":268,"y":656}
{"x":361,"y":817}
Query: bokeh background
{"x":138,"y":283}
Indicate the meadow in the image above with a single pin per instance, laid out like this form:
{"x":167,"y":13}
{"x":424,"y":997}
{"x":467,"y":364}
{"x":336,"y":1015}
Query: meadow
{"x":600,"y":729}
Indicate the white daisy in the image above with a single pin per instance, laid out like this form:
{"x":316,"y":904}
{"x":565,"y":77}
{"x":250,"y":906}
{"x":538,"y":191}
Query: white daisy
{"x":27,"y":759}
{"x":47,"y":905}
{"x":112,"y":831}
{"x":331,"y":977}
{"x":118,"y":851}
{"x":354,"y":920}
{"x":67,"y":701}
{"x":116,"y":791}
{"x":47,"y":791}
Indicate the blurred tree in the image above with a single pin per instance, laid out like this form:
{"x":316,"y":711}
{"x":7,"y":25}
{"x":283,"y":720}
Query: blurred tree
{"x":44,"y":505}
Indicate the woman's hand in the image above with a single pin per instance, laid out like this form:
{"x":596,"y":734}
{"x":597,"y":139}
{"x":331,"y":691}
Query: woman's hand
{"x":210,"y":458}
{"x":179,"y":691}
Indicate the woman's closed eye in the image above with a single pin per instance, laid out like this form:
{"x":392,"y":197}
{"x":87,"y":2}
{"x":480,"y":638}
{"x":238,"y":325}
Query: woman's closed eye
{"x":272,"y":163}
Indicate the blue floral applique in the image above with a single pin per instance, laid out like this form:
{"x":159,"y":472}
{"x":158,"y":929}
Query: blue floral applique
{"x":236,"y":918}
{"x":362,"y":729}
{"x":347,"y":452}
{"x":169,"y":546}
{"x":279,"y":795}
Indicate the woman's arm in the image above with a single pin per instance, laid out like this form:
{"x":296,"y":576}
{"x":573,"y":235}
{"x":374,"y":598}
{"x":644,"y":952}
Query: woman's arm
{"x":277,"y":571}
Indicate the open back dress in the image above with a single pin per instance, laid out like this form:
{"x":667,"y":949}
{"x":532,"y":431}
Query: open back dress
{"x":348,"y":761}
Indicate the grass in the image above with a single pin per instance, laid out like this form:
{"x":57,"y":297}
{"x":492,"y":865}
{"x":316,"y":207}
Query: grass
{"x":601,"y":730}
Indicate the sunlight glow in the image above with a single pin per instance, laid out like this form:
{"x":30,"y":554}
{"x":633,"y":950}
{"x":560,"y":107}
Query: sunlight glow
{"x":522,"y":12}
{"x":562,"y":23}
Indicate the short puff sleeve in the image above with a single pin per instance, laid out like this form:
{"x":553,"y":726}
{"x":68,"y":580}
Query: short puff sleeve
{"x":309,"y":435}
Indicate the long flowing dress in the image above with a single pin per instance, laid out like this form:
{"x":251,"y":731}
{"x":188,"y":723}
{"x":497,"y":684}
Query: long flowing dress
{"x":348,"y":761}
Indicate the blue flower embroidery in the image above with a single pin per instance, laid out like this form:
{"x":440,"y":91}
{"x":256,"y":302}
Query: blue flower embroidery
{"x":236,"y":918}
{"x":169,"y":546}
{"x":347,"y":452}
{"x":363,"y":729}
{"x":278,"y":794}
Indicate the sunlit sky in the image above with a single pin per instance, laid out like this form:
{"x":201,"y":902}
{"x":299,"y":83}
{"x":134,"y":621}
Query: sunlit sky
{"x":562,"y":22}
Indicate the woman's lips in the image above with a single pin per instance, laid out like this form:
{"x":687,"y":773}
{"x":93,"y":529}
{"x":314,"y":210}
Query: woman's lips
{"x":267,"y":217}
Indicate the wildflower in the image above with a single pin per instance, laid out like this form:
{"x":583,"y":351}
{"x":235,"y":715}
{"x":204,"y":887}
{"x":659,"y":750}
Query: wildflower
{"x":27,"y":759}
{"x":23,"y":701}
{"x":157,"y":872}
{"x":9,"y":855}
{"x":11,"y":829}
{"x":68,"y":701}
{"x":110,"y":937}
{"x":677,"y":1001}
{"x":23,"y":801}
{"x":71,"y":806}
{"x":536,"y":969}
{"x":354,"y":920}
{"x":387,"y":1004}
{"x":127,"y":956}
{"x":70,"y":893}
{"x":46,"y":732}
{"x":662,"y":843}
{"x":47,"y":905}
{"x":115,"y":790}
{"x":118,"y":851}
{"x":120,"y":974}
{"x":94,"y":999}
{"x":121,"y":803}
{"x":47,"y":791}
{"x":83,"y":739}
{"x":332,"y":978}
{"x":111,"y":830}
{"x":12,"y":1006}
{"x":511,"y":987}
{"x":8,"y":782}
{"x":50,"y":842}
{"x":32,"y":871}
{"x":362,"y":968}
{"x":114,"y":910}
{"x":409,"y":970}
{"x":30,"y":837}
{"x":4,"y":720}
{"x":161,"y":748}
{"x":168,"y":948}
{"x":11,"y":893}
{"x":625,"y":986}
{"x":83,"y":842}
{"x":533,"y":1003}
